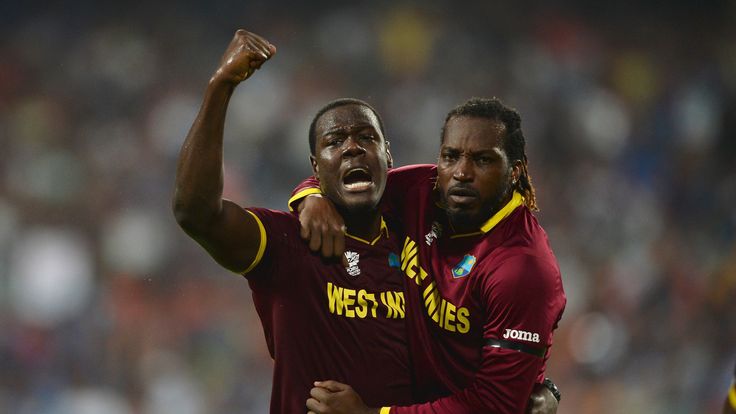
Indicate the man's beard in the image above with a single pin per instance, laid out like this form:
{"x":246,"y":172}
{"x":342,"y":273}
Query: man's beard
{"x":464,"y":219}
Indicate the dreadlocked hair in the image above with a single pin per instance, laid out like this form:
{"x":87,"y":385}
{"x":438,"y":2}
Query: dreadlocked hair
{"x":513,"y":141}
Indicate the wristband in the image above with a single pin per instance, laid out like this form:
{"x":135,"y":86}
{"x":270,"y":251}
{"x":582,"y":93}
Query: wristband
{"x":732,"y":395}
{"x":552,"y":388}
{"x":385,"y":410}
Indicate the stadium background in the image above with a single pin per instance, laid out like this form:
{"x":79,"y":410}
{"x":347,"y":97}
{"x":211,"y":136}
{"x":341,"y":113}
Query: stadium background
{"x":106,"y":307}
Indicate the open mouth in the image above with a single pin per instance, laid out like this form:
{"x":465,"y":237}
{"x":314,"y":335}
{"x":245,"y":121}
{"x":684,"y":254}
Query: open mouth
{"x":357,"y":179}
{"x":462,"y":195}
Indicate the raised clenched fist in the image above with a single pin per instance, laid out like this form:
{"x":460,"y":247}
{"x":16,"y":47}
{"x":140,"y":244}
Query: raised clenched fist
{"x":246,"y":53}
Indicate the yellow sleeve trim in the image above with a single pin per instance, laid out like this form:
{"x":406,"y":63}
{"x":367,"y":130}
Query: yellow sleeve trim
{"x":731,"y":396}
{"x":301,"y":194}
{"x":261,"y":245}
{"x":385,"y":410}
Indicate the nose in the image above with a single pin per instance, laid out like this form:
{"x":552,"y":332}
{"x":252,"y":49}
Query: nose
{"x":352,"y":147}
{"x":463,"y":169}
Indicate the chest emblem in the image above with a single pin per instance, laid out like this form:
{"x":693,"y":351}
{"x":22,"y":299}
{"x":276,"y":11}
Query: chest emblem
{"x":352,"y":257}
{"x":464,"y":267}
{"x":434,"y":233}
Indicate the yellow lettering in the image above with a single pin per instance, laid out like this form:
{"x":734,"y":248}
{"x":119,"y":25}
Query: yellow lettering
{"x":411,"y":268}
{"x":422,"y":274}
{"x":443,"y":303}
{"x":431,"y":297}
{"x":450,"y":317}
{"x":352,"y":303}
{"x":334,"y":298}
{"x":394,"y":302}
{"x":348,"y":300}
{"x":409,"y":251}
{"x":363,"y":305}
{"x":389,"y":311}
{"x":462,"y":317}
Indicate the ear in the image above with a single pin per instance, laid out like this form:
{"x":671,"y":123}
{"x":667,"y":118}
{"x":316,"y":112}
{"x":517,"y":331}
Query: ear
{"x":515,"y":171}
{"x":315,"y":167}
{"x":389,"y":157}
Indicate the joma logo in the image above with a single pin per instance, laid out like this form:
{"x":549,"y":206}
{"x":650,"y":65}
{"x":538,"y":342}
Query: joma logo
{"x":521,"y":335}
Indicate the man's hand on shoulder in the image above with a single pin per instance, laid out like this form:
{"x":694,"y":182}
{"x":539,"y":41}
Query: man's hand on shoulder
{"x":245,"y":54}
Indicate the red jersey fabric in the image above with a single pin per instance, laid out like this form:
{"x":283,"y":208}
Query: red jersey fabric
{"x":324,"y":321}
{"x":501,"y":284}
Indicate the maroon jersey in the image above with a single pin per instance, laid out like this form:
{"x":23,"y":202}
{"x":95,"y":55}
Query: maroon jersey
{"x":481,"y":307}
{"x":323,"y":320}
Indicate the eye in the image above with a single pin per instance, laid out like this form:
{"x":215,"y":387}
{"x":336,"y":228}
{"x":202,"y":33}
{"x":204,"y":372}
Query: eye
{"x":484,"y":160}
{"x":366,"y":137}
{"x":335,"y":140}
{"x":449,"y":156}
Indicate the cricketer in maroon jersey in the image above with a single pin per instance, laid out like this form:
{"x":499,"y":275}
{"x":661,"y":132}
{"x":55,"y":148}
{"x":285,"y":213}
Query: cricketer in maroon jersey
{"x":485,"y":292}
{"x":327,"y":320}
{"x":320,"y":318}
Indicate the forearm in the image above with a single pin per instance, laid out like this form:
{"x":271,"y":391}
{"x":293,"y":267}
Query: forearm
{"x":501,"y":385}
{"x":199,"y":177}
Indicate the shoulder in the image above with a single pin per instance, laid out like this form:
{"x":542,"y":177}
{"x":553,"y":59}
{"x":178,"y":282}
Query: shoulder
{"x":415,"y":172}
{"x":524,"y":257}
{"x":272,"y":221}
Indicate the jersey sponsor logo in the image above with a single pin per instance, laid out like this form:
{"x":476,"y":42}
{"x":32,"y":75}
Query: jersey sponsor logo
{"x":434,"y":233}
{"x":521,"y":335}
{"x":352,"y":303}
{"x":353,"y":257}
{"x":464,"y":267}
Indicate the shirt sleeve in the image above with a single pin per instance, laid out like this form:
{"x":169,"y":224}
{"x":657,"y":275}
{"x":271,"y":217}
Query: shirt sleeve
{"x":399,"y":183}
{"x":523,"y":303}
{"x":309,"y":186}
{"x":277,"y":234}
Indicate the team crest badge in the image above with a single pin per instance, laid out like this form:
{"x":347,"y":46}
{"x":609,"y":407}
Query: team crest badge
{"x":352,"y":257}
{"x":464,"y":267}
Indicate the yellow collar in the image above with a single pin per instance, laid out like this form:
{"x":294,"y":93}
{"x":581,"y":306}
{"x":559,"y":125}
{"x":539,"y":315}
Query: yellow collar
{"x":516,"y":201}
{"x":382,"y":232}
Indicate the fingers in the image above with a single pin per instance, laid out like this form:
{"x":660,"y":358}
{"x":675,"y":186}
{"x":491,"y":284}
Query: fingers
{"x":316,"y":407}
{"x":330,"y":385}
{"x":339,"y":247}
{"x":327,"y":244}
{"x":315,"y":240}
{"x":304,"y":230}
{"x":257,"y":49}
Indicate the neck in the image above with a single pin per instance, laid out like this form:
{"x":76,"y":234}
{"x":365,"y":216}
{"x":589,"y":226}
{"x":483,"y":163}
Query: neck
{"x":366,"y":225}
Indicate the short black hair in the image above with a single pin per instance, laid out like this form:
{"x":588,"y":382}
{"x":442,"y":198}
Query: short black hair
{"x":335,"y":104}
{"x":513,"y":141}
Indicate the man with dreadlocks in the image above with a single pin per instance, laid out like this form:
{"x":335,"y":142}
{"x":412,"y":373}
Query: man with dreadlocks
{"x":484,"y":291}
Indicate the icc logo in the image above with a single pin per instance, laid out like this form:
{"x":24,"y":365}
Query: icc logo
{"x":352,"y":257}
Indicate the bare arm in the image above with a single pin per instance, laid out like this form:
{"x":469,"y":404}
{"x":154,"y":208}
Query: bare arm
{"x":225,"y":230}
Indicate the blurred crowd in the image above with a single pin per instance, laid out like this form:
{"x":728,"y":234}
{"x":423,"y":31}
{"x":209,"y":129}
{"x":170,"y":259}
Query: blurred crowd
{"x":107,"y":307}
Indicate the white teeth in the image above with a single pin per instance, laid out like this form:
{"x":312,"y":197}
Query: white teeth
{"x":360,"y":185}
